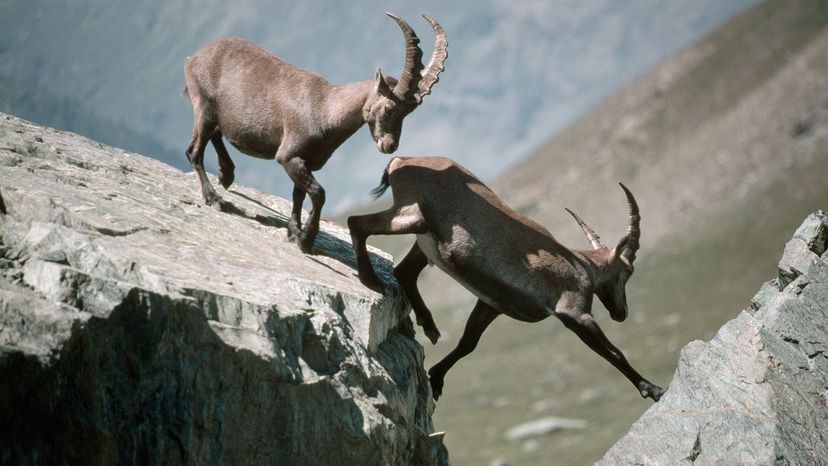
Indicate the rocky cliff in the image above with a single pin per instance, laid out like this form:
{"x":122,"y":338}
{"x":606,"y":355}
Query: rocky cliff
{"x":139,"y":326}
{"x":757,"y":393}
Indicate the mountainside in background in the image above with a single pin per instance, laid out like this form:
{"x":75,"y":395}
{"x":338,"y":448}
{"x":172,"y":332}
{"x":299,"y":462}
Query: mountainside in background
{"x":71,"y":115}
{"x":724,"y":120}
{"x":725,"y":147}
{"x":517,"y":71}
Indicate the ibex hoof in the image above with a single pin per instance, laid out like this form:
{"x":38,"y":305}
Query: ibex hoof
{"x":226,"y":178}
{"x":306,"y":242}
{"x":649,"y":390}
{"x":299,"y":238}
{"x":432,"y":333}
{"x":304,"y":245}
{"x":436,"y":385}
{"x":293,"y":232}
{"x":371,"y":281}
{"x":219,"y":204}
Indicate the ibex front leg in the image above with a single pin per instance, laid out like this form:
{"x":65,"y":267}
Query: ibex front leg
{"x":295,"y":224}
{"x":304,"y":182}
{"x":584,"y":325}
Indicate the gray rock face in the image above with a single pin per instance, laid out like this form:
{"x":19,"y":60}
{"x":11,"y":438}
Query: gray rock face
{"x":758,"y":392}
{"x":139,"y":326}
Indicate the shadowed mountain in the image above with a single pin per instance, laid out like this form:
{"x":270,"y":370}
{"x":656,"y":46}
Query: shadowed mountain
{"x":69,"y":114}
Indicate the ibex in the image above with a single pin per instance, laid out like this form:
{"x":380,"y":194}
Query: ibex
{"x":270,"y":109}
{"x":513,"y":265}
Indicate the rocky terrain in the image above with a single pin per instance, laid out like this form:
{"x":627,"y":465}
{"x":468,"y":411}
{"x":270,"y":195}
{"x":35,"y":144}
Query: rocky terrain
{"x":757,"y":393}
{"x":138,"y":326}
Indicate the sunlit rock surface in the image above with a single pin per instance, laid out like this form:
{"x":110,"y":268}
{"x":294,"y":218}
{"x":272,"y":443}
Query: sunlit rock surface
{"x":758,"y":392}
{"x":140,"y":326}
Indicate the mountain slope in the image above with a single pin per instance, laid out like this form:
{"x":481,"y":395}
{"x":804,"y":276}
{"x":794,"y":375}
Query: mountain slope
{"x":724,"y":146}
{"x":724,"y":113}
{"x":32,"y":103}
{"x":516,"y":73}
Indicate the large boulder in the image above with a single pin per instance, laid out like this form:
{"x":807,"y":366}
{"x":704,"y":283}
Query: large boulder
{"x":140,"y":326}
{"x":757,"y":393}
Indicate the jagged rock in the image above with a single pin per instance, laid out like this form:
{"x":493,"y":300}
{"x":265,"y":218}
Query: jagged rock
{"x":139,"y":326}
{"x":758,"y":392}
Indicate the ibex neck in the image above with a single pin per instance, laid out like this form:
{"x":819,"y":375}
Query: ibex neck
{"x":345,"y":104}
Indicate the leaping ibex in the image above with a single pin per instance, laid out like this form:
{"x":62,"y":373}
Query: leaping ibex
{"x":270,"y":109}
{"x":513,"y":265}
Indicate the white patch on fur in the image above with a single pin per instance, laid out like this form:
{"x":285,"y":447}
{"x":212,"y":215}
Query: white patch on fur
{"x":446,"y":256}
{"x":462,"y":244}
{"x":407,"y":216}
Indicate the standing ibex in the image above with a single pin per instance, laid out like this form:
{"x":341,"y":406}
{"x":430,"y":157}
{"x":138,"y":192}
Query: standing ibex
{"x":512,"y":264}
{"x":270,"y":109}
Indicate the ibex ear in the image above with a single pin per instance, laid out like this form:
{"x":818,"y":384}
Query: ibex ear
{"x":619,"y":248}
{"x":382,"y":86}
{"x":622,"y":243}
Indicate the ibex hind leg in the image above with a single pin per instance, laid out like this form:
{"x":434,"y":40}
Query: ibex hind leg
{"x":227,"y":169}
{"x":394,"y":221}
{"x":407,"y":273}
{"x":481,"y":316}
{"x":202,"y":131}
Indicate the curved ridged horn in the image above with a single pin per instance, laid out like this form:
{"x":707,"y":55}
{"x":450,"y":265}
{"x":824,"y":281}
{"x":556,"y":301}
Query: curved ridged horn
{"x":593,"y":237}
{"x":431,"y":73}
{"x":633,"y":229}
{"x":409,"y":78}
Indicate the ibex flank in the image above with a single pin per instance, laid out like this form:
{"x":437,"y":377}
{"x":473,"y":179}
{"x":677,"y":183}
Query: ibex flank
{"x":270,"y":109}
{"x":513,"y":265}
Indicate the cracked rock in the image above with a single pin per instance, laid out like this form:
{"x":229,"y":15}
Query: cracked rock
{"x":139,"y":326}
{"x":756,"y":393}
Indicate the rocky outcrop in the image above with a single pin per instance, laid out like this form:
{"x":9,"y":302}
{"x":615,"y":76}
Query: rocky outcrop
{"x":139,"y":326}
{"x":758,"y":392}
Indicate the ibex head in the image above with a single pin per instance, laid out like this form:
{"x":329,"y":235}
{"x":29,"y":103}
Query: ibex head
{"x":394,"y":99}
{"x":614,"y":266}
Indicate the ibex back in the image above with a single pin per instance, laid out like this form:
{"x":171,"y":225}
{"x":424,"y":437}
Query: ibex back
{"x":513,"y":265}
{"x":270,"y":109}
